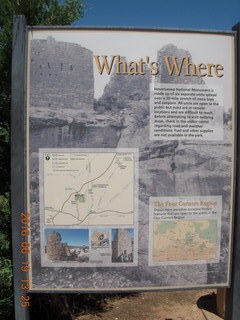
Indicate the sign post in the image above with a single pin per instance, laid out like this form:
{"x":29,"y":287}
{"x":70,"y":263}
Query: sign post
{"x":18,"y":168}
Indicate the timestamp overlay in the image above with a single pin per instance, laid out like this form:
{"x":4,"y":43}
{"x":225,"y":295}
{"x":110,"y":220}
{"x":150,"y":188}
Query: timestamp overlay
{"x":25,"y":266}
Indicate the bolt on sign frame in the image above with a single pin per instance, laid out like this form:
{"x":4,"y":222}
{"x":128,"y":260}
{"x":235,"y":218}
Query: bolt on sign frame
{"x":124,"y":160}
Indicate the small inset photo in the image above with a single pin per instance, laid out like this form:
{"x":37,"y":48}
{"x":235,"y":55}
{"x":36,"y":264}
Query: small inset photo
{"x":100,"y":238}
{"x":122,"y":245}
{"x":67,"y":245}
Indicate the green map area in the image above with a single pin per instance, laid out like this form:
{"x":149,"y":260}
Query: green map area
{"x":185,"y":240}
{"x":210,"y":233}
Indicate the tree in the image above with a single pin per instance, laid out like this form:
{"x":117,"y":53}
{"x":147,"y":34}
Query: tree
{"x":37,"y":12}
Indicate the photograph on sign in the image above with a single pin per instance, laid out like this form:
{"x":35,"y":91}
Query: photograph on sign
{"x":130,"y":157}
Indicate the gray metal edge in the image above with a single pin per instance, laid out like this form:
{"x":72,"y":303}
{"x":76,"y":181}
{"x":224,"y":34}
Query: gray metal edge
{"x":234,"y":161}
{"x":18,"y":158}
{"x":130,"y":28}
{"x":125,"y":290}
{"x":233,"y":294}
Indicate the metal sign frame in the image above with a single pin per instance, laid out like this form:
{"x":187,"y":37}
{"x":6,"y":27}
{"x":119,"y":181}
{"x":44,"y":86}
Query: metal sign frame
{"x":19,"y":170}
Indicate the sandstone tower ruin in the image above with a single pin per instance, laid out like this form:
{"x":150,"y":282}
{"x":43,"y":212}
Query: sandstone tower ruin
{"x":122,"y":243}
{"x":124,"y":89}
{"x":61,"y":74}
{"x":56,"y":251}
{"x":170,"y":51}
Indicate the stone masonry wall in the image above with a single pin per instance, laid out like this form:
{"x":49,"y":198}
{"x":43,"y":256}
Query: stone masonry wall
{"x":61,"y":74}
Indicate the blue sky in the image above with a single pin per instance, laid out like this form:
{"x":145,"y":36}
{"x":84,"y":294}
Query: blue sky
{"x":190,"y":14}
{"x":73,"y":237}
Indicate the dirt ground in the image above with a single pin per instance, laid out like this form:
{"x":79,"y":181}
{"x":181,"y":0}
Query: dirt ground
{"x":181,"y":305}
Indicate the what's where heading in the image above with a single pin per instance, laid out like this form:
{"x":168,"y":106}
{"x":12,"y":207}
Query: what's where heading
{"x":175,"y":66}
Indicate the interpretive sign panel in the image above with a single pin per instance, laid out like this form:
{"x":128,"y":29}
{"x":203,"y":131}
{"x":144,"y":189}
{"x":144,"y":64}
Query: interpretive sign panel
{"x":130,"y":158}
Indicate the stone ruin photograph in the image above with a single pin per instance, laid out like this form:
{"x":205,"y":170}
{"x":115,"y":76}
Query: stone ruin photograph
{"x":100,"y":238}
{"x":122,"y":245}
{"x":76,"y":247}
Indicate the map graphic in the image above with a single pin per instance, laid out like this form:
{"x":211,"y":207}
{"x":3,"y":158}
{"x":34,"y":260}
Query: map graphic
{"x":88,"y":188}
{"x":184,"y":240}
